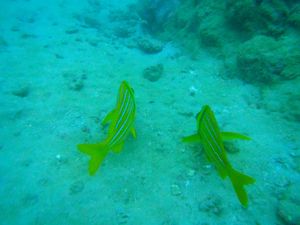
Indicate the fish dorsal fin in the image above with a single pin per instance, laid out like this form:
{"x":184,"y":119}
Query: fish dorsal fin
{"x":118,"y":148}
{"x":227,"y":136}
{"x":108,"y":117}
{"x":195,"y":138}
{"x":133,"y":132}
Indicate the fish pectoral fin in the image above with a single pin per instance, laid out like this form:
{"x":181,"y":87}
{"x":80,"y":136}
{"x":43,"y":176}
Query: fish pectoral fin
{"x":108,"y":117}
{"x":133,"y":132}
{"x":192,"y":138}
{"x":226,"y":136}
{"x":118,"y":148}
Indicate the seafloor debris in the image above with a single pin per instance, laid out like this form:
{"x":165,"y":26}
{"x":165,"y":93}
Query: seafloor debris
{"x":153,"y":73}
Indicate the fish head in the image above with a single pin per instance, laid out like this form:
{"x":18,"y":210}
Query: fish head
{"x":125,"y":86}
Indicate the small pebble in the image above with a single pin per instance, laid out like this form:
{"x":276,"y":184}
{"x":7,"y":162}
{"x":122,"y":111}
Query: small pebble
{"x":58,"y":156}
{"x":193,"y":90}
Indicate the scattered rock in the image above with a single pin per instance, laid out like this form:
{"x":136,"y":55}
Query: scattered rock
{"x":150,"y":46}
{"x":85,"y":129}
{"x":89,"y":21}
{"x":231,"y":148}
{"x":122,"y":216}
{"x":74,"y":82}
{"x":2,"y":42}
{"x":26,"y":163}
{"x":43,"y":182}
{"x":211,"y":204}
{"x":30,"y":200}
{"x":289,"y":212}
{"x":27,"y":36}
{"x":58,"y":56}
{"x":72,"y":30}
{"x":124,"y":31}
{"x":191,"y":172}
{"x":288,"y":208}
{"x":93,"y":42}
{"x":21,"y":91}
{"x":153,"y":73}
{"x":207,"y":169}
{"x":76,"y":188}
{"x":175,"y":190}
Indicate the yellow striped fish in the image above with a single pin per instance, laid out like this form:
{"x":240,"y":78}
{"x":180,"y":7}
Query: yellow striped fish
{"x":121,"y":120}
{"x":211,"y":138}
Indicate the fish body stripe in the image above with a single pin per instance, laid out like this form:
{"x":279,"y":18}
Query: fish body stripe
{"x":122,"y":111}
{"x":209,"y":136}
{"x":122,"y":125}
{"x":120,"y":132}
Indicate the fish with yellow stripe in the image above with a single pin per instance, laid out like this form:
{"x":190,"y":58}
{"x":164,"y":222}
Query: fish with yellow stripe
{"x":121,"y":120}
{"x":211,"y":138}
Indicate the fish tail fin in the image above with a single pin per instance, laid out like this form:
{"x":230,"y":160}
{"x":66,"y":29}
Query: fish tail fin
{"x":238,"y":181}
{"x":97,"y":152}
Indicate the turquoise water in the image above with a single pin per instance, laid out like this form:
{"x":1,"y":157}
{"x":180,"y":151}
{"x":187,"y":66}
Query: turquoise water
{"x":61,"y":65}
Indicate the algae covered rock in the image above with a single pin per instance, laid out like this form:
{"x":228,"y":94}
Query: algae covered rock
{"x":294,"y":17}
{"x":259,"y":61}
{"x":156,"y":12}
{"x":257,"y":17}
{"x":263,"y":59}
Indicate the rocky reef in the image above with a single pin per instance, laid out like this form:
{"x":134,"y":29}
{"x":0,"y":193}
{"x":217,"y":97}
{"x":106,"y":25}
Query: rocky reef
{"x":255,"y":36}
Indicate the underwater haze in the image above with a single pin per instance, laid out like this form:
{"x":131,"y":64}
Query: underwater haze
{"x":98,"y":99}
